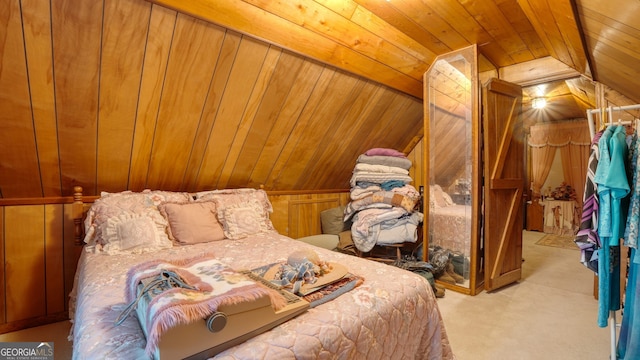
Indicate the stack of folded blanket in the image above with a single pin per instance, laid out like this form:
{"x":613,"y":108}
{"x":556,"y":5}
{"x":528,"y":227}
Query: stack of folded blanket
{"x":383,"y":202}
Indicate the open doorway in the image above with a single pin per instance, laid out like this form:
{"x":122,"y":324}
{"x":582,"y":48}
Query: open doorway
{"x":555,"y":123}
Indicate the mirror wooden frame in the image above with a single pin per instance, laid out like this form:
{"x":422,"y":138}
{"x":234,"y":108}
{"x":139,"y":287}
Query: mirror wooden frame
{"x":475,"y":281}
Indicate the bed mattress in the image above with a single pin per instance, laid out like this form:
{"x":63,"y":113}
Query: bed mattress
{"x":393,"y":314}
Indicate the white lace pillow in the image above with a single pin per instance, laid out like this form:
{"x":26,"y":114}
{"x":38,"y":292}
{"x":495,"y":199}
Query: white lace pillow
{"x":230,"y":197}
{"x":112,"y":205}
{"x":244,"y":219}
{"x":131,"y":233}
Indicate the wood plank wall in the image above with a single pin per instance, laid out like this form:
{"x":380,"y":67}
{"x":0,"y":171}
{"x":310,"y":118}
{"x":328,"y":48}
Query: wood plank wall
{"x":126,"y":94}
{"x":38,"y":264}
{"x":39,"y":255}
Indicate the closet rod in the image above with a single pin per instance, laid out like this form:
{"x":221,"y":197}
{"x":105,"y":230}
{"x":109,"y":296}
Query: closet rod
{"x":610,"y":110}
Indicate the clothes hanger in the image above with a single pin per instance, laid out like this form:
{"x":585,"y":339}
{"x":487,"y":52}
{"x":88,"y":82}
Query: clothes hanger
{"x":603,"y":123}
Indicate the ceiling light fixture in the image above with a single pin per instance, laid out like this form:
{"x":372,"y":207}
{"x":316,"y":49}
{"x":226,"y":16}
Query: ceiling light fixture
{"x":538,"y":103}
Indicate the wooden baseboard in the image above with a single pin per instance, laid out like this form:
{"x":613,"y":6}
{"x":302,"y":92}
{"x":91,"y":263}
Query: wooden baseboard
{"x":33,"y":322}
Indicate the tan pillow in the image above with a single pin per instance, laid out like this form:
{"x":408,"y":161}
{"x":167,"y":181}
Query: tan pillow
{"x":332,"y":221}
{"x":192,"y":223}
{"x":345,"y":243}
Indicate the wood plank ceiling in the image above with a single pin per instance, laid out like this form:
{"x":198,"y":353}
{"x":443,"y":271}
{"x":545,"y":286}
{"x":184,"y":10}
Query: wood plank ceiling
{"x":201,"y":94}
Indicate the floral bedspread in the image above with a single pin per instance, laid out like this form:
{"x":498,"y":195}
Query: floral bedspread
{"x":451,"y":228}
{"x":392,"y":315}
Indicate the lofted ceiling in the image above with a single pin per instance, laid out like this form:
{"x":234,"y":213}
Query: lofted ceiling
{"x":200,"y":94}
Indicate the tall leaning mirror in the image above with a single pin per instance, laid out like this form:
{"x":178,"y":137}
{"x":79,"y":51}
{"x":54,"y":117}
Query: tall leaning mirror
{"x":452,"y":169}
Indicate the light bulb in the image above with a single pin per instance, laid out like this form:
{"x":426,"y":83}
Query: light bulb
{"x":538,"y":103}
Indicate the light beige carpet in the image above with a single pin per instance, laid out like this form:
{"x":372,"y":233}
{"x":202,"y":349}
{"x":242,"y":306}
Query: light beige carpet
{"x":549,"y":314}
{"x":559,"y":241}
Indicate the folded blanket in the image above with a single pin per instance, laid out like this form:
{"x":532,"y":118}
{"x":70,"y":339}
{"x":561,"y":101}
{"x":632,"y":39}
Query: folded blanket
{"x":380,"y":169}
{"x":385,"y":152}
{"x":389,"y":198}
{"x":366,"y":226}
{"x":359,"y":192}
{"x":400,"y":230}
{"x":215,"y":285}
{"x":378,"y":178}
{"x":403,"y":163}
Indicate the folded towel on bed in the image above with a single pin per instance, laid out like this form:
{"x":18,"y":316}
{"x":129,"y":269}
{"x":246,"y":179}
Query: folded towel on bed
{"x":210,"y":284}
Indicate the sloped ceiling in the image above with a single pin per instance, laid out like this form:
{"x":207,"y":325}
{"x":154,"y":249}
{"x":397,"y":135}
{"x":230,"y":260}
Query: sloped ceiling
{"x":199,"y":94}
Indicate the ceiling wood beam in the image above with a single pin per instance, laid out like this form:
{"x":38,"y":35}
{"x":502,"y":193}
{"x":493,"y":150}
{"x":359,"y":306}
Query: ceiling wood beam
{"x":537,"y":71}
{"x":258,"y":23}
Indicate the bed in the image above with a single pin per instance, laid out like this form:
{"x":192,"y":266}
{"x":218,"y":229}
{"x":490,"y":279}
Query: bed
{"x":450,"y":228}
{"x":449,"y":222}
{"x":392,"y":314}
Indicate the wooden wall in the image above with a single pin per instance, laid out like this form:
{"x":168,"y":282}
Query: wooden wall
{"x":39,"y":255}
{"x":125,"y":94}
{"x":39,"y":260}
{"x":115,"y":94}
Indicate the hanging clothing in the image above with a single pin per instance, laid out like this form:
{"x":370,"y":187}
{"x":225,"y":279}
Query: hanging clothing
{"x":587,"y":237}
{"x":612,"y":188}
{"x":633,"y":217}
{"x":629,"y":339}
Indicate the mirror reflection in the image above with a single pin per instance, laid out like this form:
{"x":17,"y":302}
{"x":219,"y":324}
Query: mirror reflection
{"x":450,"y":175}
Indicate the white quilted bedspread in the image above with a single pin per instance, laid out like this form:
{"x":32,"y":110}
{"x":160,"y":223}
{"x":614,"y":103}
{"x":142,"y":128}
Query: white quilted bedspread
{"x":392,"y":315}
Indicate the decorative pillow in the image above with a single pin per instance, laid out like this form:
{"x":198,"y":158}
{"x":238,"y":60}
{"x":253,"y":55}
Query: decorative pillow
{"x":239,"y":198}
{"x":331,"y":221}
{"x":192,"y":223}
{"x":231,"y":196}
{"x":345,"y":243}
{"x":127,"y":233}
{"x":112,"y":205}
{"x":438,"y":197}
{"x":240,"y":220}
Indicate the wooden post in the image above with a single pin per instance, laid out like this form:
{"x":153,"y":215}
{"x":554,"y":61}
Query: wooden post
{"x":77,"y":210}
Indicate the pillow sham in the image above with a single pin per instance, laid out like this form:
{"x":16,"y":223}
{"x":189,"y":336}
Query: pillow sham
{"x":242,"y":219}
{"x":129,"y":233}
{"x":256,"y":199}
{"x":231,"y":196}
{"x":111,"y":205}
{"x":192,"y":223}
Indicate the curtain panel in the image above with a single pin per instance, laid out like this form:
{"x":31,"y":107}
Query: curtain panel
{"x":573,"y":140}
